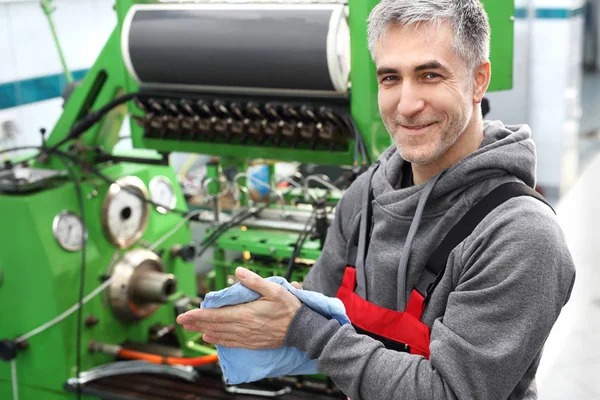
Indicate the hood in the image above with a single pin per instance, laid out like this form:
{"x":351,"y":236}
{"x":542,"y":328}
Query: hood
{"x":505,"y":151}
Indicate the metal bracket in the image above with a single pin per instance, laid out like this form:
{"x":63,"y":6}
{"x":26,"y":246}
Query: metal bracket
{"x":164,"y":160}
{"x":133,"y":367}
{"x":256,"y":392}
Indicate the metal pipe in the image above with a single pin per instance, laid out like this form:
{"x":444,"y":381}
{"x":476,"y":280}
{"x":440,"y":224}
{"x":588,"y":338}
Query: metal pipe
{"x":48,"y":10}
{"x":221,"y":180}
{"x":319,"y":179}
{"x":153,"y":287}
{"x":223,"y":188}
{"x":242,"y":188}
{"x":261,"y":183}
{"x":276,"y":180}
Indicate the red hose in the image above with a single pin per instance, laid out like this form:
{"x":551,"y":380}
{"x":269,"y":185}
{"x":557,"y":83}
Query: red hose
{"x":155,"y":359}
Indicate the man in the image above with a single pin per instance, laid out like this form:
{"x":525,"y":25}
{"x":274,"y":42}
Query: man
{"x":503,"y":286}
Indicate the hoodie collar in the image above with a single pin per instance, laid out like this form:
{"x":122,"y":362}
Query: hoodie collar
{"x":505,"y":150}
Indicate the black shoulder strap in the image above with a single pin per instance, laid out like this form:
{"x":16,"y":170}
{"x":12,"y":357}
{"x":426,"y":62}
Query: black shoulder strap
{"x":436,"y":264}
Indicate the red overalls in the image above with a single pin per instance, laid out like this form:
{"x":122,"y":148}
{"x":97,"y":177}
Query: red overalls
{"x":401,"y":331}
{"x":404,"y":331}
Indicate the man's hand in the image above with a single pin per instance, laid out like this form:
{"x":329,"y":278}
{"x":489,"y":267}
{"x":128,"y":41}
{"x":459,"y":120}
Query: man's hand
{"x":261,"y":324}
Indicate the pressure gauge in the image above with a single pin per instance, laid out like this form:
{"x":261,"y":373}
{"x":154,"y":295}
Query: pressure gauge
{"x":68,"y":231}
{"x":162,"y":193}
{"x":125,"y":211}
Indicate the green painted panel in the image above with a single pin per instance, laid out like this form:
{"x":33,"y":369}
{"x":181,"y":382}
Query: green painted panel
{"x":41,"y":280}
{"x":502,"y":17}
{"x":276,"y":244}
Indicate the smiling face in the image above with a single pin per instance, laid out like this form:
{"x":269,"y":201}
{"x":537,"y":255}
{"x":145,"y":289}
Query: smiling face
{"x":427,"y":94}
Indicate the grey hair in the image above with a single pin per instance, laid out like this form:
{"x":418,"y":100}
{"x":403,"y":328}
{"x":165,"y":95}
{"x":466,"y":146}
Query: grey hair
{"x":467,"y":18}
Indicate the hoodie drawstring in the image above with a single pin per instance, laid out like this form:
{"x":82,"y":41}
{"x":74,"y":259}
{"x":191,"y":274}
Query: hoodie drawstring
{"x":401,"y":300}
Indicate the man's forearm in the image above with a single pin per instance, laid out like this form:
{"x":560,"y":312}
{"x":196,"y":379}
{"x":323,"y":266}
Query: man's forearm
{"x":361,"y":366}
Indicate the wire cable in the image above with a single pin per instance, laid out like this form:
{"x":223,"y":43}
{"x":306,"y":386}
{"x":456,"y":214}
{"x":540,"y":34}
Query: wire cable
{"x":65,"y":314}
{"x":365,"y":152}
{"x":13,"y":375}
{"x":79,"y":193}
{"x":366,"y":156}
{"x":221,"y":229}
{"x":81,"y":126}
{"x":357,"y":151}
{"x":108,"y":180}
{"x":12,"y":149}
{"x":299,"y":243}
{"x":92,"y":118}
{"x":174,"y":230}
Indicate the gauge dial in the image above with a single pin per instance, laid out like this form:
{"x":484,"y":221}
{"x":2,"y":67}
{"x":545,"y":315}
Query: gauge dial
{"x":162,"y":193}
{"x":125,"y":213}
{"x":67,"y":229}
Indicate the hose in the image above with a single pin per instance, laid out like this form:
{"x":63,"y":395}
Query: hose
{"x":156,"y":359}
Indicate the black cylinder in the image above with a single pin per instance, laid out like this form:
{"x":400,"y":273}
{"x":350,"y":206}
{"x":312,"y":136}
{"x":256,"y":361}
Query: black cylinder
{"x":276,"y":47}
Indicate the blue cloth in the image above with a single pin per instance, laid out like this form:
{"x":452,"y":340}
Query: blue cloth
{"x":243,"y":365}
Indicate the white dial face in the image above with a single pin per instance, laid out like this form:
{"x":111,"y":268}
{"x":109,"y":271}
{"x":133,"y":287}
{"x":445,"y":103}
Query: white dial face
{"x":162,"y":193}
{"x":125,"y":213}
{"x":68,"y":231}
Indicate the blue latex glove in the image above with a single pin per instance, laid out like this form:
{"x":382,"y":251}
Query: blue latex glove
{"x":243,"y":365}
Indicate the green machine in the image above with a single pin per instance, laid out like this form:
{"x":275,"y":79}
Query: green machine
{"x":97,"y":258}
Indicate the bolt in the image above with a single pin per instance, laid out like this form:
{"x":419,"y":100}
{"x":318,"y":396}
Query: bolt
{"x":90,"y":321}
{"x":272,"y":250}
{"x":92,"y":194}
{"x":8,"y":350}
{"x":24,"y":345}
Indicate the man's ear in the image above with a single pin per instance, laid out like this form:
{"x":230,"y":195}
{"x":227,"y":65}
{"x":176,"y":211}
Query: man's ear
{"x":481,"y":81}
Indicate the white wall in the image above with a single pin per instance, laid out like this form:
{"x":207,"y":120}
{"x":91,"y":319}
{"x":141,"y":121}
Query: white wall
{"x":512,"y":106}
{"x":548,"y":61}
{"x":556,"y":95}
{"x":27,"y":50}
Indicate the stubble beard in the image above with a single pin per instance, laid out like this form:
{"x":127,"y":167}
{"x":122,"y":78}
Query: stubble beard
{"x":425,"y":151}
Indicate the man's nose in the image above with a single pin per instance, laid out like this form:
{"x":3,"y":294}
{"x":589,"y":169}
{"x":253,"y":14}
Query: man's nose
{"x":411,"y":102}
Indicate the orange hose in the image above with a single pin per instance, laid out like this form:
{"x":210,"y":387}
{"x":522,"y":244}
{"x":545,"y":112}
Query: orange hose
{"x":155,"y":359}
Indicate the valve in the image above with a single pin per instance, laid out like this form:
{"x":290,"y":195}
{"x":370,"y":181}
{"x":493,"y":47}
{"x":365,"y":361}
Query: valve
{"x":8,"y":350}
{"x":204,"y":109}
{"x":155,"y":106}
{"x":236,"y":110}
{"x":308,"y":113}
{"x":220,"y":108}
{"x":187,"y":252}
{"x":254,"y":109}
{"x":272,"y":111}
{"x":321,"y":222}
{"x":291,"y":111}
{"x":187,"y":108}
{"x":172,"y":108}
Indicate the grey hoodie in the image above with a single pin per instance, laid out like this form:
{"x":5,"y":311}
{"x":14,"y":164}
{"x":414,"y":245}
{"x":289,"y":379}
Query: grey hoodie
{"x":503,"y":288}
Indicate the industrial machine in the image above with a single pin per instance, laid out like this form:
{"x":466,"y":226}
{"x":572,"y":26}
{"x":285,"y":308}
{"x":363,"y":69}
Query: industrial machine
{"x":97,"y":259}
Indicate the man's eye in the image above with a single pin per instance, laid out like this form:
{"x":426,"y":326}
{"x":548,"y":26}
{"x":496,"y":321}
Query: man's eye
{"x":432,"y":76}
{"x":389,"y":79}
